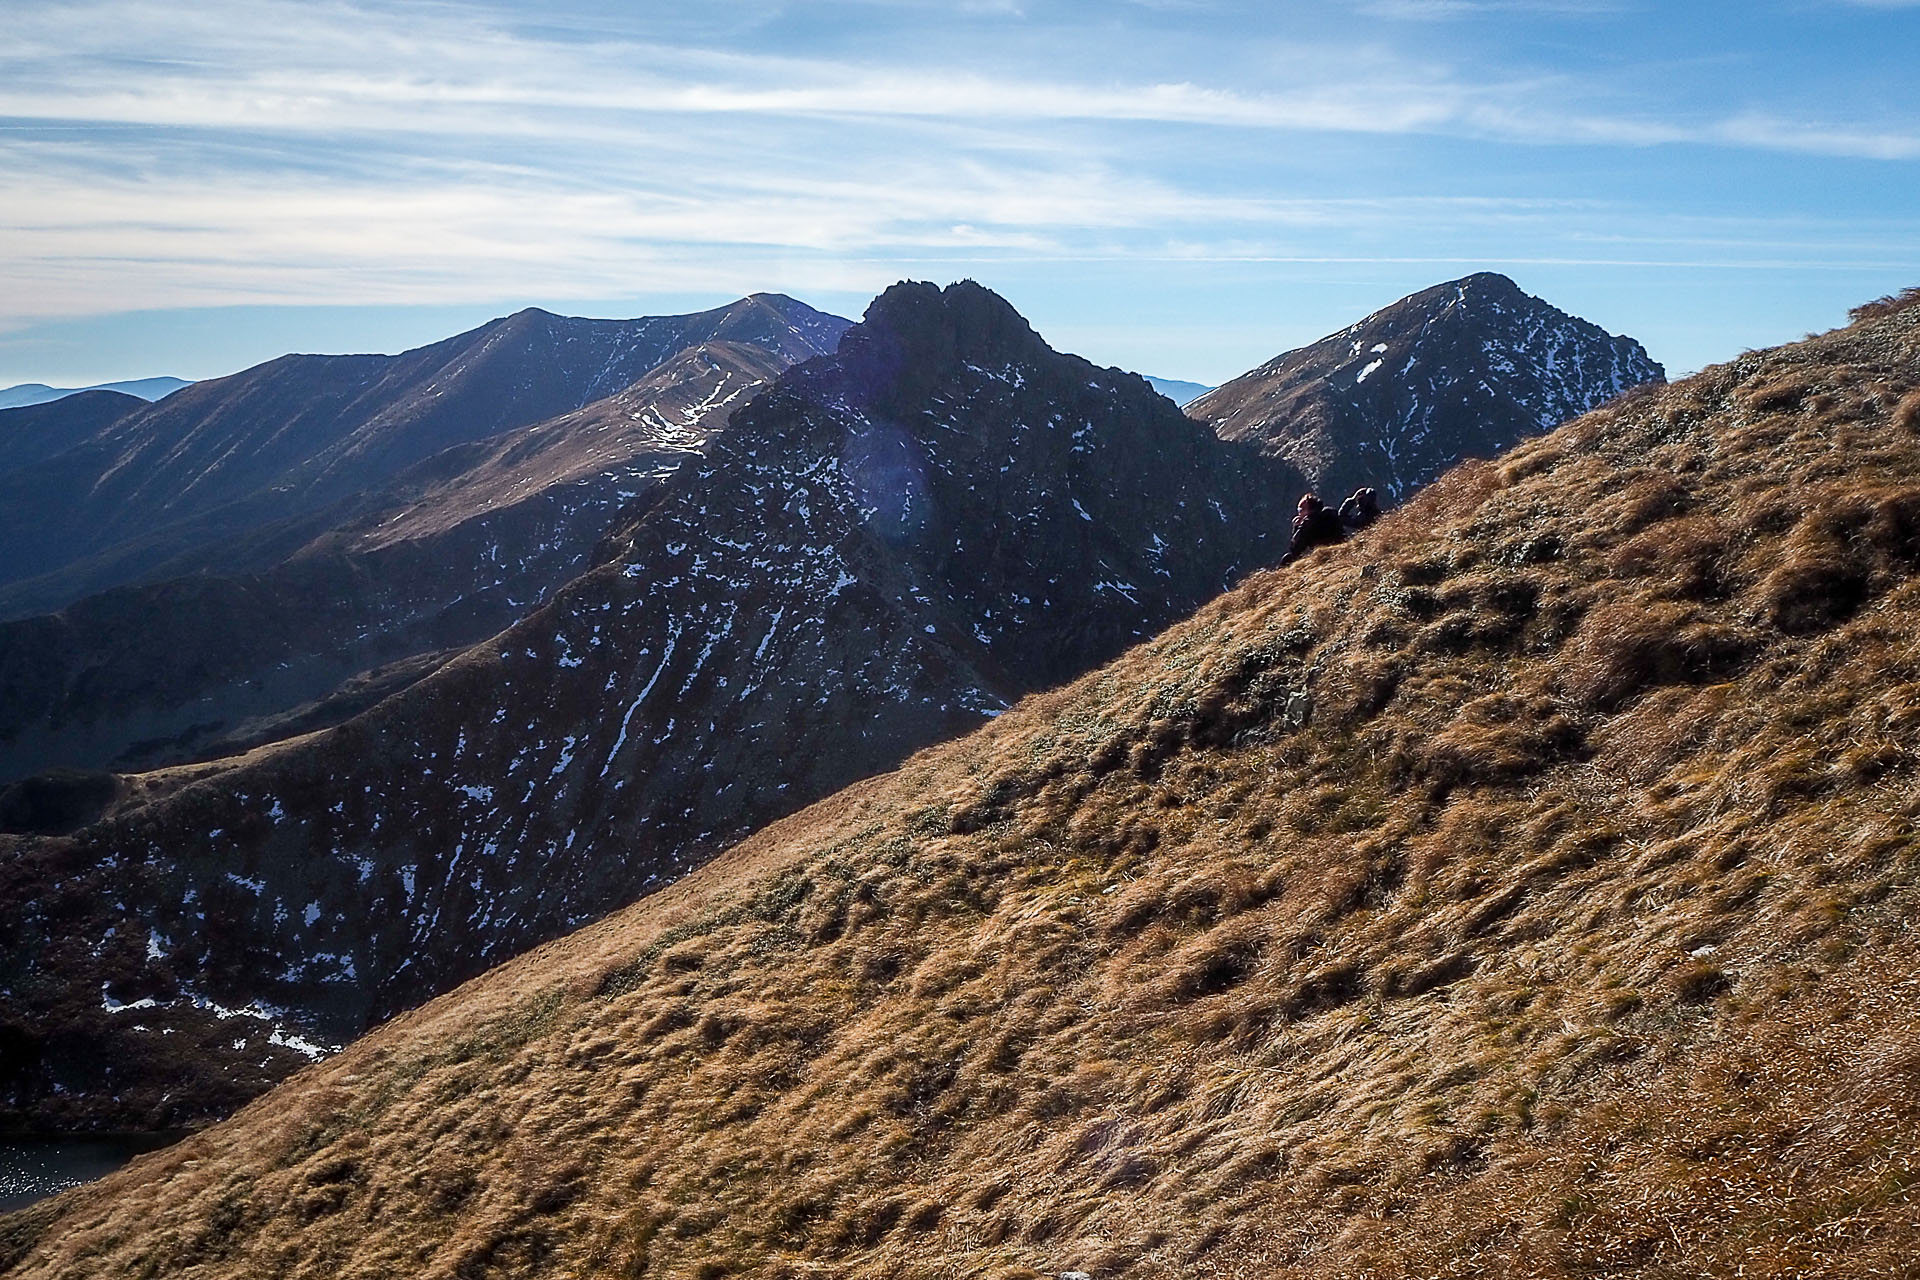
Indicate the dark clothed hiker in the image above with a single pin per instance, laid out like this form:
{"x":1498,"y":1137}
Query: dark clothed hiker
{"x":1314,"y":525}
{"x":1359,"y":511}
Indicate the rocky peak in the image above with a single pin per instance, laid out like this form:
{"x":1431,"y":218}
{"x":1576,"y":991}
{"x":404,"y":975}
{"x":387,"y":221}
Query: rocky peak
{"x":916,"y":335}
{"x":1463,"y":369}
{"x":781,"y":324}
{"x":1056,"y":507}
{"x":1483,"y":285}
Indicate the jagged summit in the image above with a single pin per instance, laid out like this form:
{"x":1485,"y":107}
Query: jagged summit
{"x":1463,"y":369}
{"x":1525,"y":886}
{"x":965,"y":321}
{"x":915,"y":334}
{"x":964,"y":436}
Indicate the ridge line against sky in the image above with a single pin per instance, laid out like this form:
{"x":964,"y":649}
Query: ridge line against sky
{"x":1183,"y":187}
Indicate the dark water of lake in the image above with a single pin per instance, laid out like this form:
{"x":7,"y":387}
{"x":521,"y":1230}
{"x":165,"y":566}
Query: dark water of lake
{"x":31,"y":1169}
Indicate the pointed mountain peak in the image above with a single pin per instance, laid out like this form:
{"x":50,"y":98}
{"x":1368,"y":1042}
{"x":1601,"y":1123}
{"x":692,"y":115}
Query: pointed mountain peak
{"x":1469,"y":295}
{"x":916,"y":333}
{"x":972,"y":318}
{"x":780,"y":322}
{"x":1462,"y":369}
{"x":525,"y":317}
{"x":1490,"y":287}
{"x":1486,"y":282}
{"x":784,"y":304}
{"x":526,"y":324}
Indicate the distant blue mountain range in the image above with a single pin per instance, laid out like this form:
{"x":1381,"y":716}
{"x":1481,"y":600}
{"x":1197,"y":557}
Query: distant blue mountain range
{"x":1172,"y":388}
{"x":39,"y":392}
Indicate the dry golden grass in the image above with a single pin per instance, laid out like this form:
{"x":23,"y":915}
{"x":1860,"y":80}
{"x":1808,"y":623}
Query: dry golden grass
{"x":1881,"y":308}
{"x":1526,"y":888}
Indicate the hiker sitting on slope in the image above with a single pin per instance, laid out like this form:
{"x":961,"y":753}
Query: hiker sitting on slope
{"x":1314,"y":525}
{"x":1359,"y":511}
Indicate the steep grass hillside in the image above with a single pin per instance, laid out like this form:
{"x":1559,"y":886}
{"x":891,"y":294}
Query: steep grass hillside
{"x":1526,"y":887}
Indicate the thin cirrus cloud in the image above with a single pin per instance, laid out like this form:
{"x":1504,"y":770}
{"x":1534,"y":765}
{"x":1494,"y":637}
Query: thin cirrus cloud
{"x":329,"y":67}
{"x":332,"y":70}
{"x":157,"y":156}
{"x":1433,"y":10}
{"x":242,"y":237}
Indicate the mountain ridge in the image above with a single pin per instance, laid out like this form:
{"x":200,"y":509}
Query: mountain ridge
{"x":1522,"y":885}
{"x":234,"y":473}
{"x":30,"y":433}
{"x":451,"y":550}
{"x":879,"y":551}
{"x":1178,"y":390}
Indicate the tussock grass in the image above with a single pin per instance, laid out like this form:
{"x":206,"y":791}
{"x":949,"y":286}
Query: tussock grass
{"x":1525,"y":888}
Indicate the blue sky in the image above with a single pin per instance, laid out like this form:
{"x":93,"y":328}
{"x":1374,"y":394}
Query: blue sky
{"x":1176,"y":186}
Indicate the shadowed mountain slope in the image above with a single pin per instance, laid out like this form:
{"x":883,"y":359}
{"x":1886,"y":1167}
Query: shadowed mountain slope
{"x":1525,"y":887}
{"x":456,"y":548}
{"x":44,"y":428}
{"x":1461,"y":370}
{"x":232,"y":474}
{"x":880,"y":551}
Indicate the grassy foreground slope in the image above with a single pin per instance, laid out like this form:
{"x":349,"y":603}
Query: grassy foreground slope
{"x":1524,"y":888}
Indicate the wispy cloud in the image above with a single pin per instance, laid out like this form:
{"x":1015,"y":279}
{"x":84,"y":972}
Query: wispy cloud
{"x":328,"y":68}
{"x":90,"y":242}
{"x":157,"y":155}
{"x":1774,"y":134}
